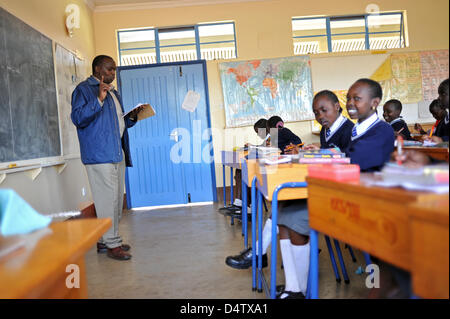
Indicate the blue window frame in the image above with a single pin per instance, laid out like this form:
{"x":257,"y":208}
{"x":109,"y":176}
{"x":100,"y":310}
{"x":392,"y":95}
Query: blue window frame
{"x":210,"y":41}
{"x":372,"y":31}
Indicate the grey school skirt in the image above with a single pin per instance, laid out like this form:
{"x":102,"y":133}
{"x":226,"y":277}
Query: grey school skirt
{"x":294,"y":215}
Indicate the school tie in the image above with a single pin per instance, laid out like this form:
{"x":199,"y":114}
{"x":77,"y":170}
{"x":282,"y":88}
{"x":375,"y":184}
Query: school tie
{"x":354,"y":131}
{"x":327,"y":133}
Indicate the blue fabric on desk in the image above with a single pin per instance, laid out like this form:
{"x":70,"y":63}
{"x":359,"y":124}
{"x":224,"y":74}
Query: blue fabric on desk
{"x":17,"y":216}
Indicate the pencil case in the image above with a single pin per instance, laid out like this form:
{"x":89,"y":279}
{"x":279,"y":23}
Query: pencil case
{"x":335,"y":172}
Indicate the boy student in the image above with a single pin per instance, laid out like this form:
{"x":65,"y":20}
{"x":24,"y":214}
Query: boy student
{"x":439,"y":114}
{"x":391,"y":114}
{"x":282,"y":137}
{"x":370,"y":146}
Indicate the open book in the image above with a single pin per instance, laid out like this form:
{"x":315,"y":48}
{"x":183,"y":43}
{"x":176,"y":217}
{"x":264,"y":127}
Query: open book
{"x":147,"y":111}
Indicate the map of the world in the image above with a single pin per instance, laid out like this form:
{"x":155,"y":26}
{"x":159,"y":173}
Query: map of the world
{"x":262,"y":88}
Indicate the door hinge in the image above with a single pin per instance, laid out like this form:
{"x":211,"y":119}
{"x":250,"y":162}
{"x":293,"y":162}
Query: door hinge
{"x":189,"y":197}
{"x":181,"y":71}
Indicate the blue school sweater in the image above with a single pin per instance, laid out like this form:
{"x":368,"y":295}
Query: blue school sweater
{"x":340,"y":138}
{"x":442,"y":129}
{"x":284,"y":137}
{"x":372,"y":149}
{"x":399,"y":124}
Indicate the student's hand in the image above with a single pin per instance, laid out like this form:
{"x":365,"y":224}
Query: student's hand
{"x":102,"y":90}
{"x":311,"y":147}
{"x":419,"y":128}
{"x":291,"y":149}
{"x":411,"y":159}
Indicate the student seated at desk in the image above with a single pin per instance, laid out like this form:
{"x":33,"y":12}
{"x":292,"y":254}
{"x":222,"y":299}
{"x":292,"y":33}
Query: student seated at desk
{"x":282,"y":136}
{"x":370,"y":146}
{"x":443,"y":101}
{"x":391,"y":114}
{"x":260,"y":128}
{"x":439,"y":114}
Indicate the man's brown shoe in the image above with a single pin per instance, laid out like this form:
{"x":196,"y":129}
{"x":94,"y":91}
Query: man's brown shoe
{"x":118,"y":253}
{"x":101,"y":248}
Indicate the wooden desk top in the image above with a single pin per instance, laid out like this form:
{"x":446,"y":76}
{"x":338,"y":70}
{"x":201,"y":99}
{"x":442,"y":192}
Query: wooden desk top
{"x":270,"y":176}
{"x":26,"y":273}
{"x":382,"y":222}
{"x":439,"y":153}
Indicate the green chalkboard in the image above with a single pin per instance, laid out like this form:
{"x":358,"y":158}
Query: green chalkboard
{"x":29,"y":126}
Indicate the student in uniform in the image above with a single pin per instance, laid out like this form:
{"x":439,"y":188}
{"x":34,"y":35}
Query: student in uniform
{"x":282,"y":137}
{"x":443,"y":129}
{"x":370,"y":146}
{"x":439,"y":114}
{"x":391,"y":114}
{"x":260,"y":128}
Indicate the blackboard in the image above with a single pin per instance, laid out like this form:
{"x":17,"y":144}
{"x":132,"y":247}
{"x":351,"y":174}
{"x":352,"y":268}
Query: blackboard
{"x":29,"y":127}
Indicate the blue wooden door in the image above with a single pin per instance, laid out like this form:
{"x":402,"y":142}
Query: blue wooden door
{"x":158,"y":176}
{"x":198,"y":171}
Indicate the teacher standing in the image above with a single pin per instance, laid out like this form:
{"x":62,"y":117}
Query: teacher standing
{"x":97,"y":112}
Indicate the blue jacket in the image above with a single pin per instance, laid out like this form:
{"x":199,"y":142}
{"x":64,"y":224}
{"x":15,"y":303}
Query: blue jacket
{"x":98,"y":127}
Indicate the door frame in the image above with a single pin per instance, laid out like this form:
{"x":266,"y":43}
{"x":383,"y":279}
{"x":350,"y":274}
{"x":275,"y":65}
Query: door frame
{"x":208,"y":113}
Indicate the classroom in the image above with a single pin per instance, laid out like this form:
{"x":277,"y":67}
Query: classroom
{"x":174,"y":196}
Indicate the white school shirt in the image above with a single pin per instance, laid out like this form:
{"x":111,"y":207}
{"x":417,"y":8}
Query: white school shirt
{"x":363,"y":127}
{"x":336,"y":126}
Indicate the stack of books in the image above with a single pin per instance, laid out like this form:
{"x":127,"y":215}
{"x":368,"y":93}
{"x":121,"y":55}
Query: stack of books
{"x":322,"y":156}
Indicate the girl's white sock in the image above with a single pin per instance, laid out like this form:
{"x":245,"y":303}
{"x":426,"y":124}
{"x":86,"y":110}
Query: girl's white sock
{"x":266,"y":236}
{"x":301,"y":260}
{"x":290,"y":273}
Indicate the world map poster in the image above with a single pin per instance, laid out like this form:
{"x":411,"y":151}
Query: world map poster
{"x":263,"y":88}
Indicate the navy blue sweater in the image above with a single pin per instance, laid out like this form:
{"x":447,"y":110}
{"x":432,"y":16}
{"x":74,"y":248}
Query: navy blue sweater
{"x":340,"y":138}
{"x":372,"y":149}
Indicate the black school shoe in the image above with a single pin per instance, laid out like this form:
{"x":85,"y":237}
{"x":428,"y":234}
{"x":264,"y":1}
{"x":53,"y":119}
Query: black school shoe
{"x":101,"y":248}
{"x":292,"y":295}
{"x":244,"y":260}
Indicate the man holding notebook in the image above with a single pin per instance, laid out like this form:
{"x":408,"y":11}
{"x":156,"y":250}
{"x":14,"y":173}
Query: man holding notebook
{"x":97,"y":112}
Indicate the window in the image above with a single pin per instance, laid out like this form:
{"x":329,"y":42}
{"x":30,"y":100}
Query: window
{"x":212,"y":41}
{"x":348,"y":33}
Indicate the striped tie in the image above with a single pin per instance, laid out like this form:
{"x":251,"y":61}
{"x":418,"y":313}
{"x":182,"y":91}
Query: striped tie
{"x":354,"y":131}
{"x":328,"y":133}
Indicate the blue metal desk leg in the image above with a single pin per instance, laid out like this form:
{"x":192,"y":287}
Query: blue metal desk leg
{"x":273,"y":253}
{"x":253,"y":193}
{"x":224,"y":190}
{"x":231,"y":193}
{"x":244,"y":213}
{"x":333,"y":261}
{"x":314,"y":265}
{"x":341,"y":261}
{"x":260,"y":219}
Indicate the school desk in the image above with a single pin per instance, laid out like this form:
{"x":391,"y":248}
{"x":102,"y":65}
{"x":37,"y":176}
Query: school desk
{"x":248,"y":171}
{"x":439,"y":153}
{"x":274,"y":182}
{"x":374,"y":219}
{"x":39,"y":270}
{"x":233,"y":160}
{"x":429,"y":250}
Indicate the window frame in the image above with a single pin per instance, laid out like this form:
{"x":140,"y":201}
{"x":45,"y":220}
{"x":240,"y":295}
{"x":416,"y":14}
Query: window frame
{"x":367,"y":33}
{"x":197,"y":43}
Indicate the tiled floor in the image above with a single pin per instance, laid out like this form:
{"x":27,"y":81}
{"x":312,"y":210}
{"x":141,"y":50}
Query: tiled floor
{"x":180,"y":253}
